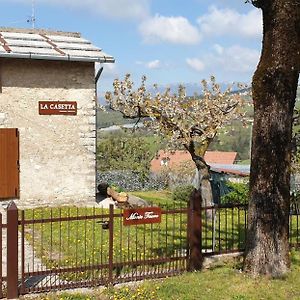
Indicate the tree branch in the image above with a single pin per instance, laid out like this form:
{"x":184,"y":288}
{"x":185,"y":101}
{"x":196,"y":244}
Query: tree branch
{"x":191,"y":149}
{"x":196,"y":131}
{"x":139,"y":115}
{"x":228,"y":109}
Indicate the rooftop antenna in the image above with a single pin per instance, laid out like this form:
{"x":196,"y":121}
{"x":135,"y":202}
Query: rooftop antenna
{"x":32,"y":18}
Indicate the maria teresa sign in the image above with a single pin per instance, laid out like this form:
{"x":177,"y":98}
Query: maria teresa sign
{"x":147,"y":215}
{"x":57,"y":108}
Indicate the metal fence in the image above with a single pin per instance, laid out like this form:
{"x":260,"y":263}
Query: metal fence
{"x":76,"y":250}
{"x":224,"y":229}
{"x":62,"y":248}
{"x":2,"y":275}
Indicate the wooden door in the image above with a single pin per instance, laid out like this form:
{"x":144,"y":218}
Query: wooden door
{"x":9,"y":163}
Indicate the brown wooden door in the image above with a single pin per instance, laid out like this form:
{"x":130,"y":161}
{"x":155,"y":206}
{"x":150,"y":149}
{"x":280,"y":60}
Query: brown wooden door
{"x":9,"y":163}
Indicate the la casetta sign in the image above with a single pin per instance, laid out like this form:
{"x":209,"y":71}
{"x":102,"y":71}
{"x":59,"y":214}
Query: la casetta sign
{"x":57,"y":108}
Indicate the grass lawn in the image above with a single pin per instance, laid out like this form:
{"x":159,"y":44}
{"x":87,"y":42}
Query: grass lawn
{"x":222,"y":282}
{"x":59,"y":243}
{"x":84,"y":243}
{"x":161,"y":198}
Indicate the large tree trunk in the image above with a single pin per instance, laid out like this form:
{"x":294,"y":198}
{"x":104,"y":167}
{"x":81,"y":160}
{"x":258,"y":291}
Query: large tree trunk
{"x":274,"y":91}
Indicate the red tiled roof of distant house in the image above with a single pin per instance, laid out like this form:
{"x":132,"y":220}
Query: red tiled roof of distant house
{"x":175,"y":158}
{"x":219,"y":157}
{"x":172,"y":159}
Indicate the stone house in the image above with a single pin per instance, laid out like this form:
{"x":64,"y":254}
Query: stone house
{"x":47,"y":117}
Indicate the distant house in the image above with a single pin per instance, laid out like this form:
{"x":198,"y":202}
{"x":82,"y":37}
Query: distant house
{"x":220,"y":157}
{"x":173,"y":159}
{"x":169,"y":159}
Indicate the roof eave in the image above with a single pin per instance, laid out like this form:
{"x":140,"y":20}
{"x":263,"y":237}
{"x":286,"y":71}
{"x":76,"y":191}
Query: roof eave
{"x":104,"y":59}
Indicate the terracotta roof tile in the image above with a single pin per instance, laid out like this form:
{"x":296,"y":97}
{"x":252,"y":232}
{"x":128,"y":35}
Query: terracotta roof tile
{"x":220,"y":157}
{"x":174,"y":158}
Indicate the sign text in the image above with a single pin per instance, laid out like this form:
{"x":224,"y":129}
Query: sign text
{"x":57,"y":108}
{"x":147,"y":215}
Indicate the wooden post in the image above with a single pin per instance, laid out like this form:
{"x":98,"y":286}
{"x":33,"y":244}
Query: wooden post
{"x":1,"y":253}
{"x":12,"y":251}
{"x":111,"y":244}
{"x":195,"y":232}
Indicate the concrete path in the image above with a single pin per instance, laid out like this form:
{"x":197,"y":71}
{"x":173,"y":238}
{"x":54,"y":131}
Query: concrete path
{"x":31,"y":262}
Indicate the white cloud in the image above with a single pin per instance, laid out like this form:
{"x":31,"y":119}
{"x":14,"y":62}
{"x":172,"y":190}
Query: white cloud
{"x":154,"y":64}
{"x":235,"y":59}
{"x":116,"y":9}
{"x":195,"y":64}
{"x":230,"y":22}
{"x":175,"y":30}
{"x":218,"y":48}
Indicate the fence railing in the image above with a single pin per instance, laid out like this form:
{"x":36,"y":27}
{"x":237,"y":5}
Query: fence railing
{"x":224,"y":229}
{"x":70,"y":247}
{"x":2,"y":278}
{"x":62,"y":248}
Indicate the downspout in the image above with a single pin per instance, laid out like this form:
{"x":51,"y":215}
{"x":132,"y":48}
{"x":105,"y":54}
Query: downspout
{"x":97,"y":77}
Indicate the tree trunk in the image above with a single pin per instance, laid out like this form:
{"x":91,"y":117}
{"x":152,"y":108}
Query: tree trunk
{"x":274,"y":92}
{"x":203,"y":182}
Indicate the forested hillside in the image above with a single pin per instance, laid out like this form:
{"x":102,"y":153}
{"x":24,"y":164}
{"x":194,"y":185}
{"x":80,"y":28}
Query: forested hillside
{"x":109,"y":118}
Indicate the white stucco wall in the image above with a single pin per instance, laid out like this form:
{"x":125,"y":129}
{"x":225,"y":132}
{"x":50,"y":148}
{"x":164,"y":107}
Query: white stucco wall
{"x":57,"y":153}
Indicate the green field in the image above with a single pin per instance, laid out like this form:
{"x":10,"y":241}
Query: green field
{"x":224,"y":281}
{"x":160,"y":198}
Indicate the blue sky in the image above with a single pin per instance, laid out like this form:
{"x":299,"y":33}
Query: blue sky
{"x":168,"y":41}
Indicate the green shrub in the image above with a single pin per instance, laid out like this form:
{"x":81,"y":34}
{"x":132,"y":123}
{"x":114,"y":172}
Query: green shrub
{"x":239,"y":194}
{"x":117,"y":188}
{"x":182,"y":192}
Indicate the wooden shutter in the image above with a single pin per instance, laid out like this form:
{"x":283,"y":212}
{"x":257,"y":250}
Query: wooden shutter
{"x":9,"y":163}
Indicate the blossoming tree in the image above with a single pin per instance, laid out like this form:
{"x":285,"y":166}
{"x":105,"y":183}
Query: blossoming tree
{"x":191,"y":122}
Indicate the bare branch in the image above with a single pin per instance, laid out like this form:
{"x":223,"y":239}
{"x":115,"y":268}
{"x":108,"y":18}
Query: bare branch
{"x":228,"y":109}
{"x":191,"y":149}
{"x":196,"y":131}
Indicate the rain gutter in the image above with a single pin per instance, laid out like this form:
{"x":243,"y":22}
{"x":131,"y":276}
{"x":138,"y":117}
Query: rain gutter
{"x":104,"y":59}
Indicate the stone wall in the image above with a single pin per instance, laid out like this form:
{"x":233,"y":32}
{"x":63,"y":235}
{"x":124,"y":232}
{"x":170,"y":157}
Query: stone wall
{"x":57,"y":153}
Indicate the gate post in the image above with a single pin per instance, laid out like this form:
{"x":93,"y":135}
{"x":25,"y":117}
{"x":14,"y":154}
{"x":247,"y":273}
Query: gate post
{"x":195,"y":232}
{"x":1,"y":253}
{"x":12,"y":251}
{"x":111,"y":244}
